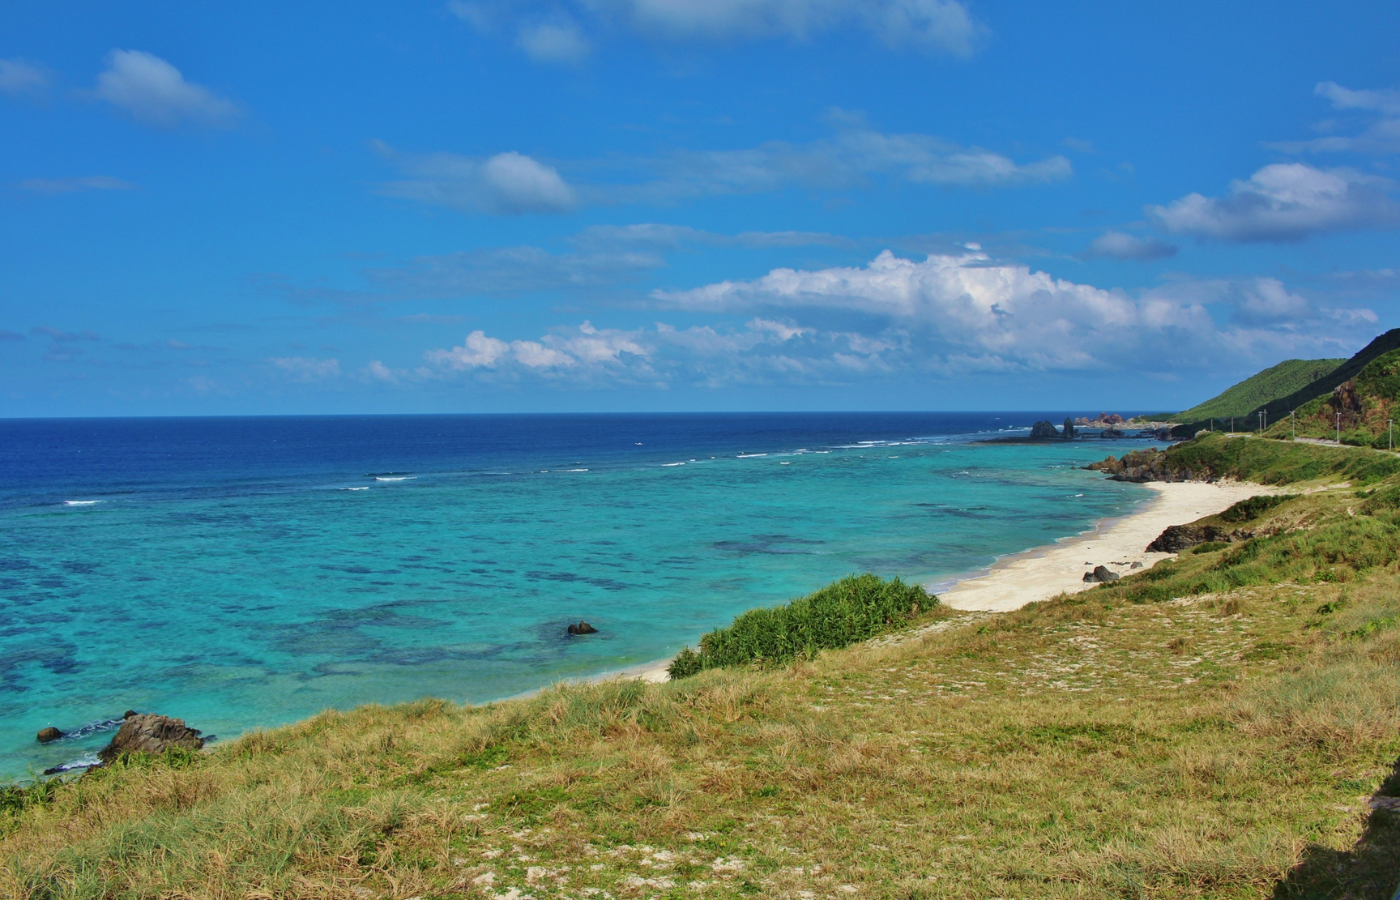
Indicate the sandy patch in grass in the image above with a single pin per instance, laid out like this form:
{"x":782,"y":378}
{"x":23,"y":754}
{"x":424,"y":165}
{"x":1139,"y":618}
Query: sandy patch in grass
{"x":1117,"y":543}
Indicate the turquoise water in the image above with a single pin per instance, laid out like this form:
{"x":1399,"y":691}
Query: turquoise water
{"x":265,"y":590}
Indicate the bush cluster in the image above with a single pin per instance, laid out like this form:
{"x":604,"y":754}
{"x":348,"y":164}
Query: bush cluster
{"x":853,"y":609}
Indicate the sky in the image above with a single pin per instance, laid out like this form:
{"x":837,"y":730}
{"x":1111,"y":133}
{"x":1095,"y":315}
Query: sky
{"x":644,"y":205}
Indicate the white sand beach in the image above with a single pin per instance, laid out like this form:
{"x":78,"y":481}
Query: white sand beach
{"x":1044,"y":572}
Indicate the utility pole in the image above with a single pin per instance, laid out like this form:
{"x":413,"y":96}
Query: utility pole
{"x":1232,"y":424}
{"x":1293,"y":417}
{"x":1391,"y":423}
{"x":1339,"y":429}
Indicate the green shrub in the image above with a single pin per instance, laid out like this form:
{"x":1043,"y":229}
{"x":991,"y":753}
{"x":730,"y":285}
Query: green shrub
{"x":1252,"y":507}
{"x":850,"y":610}
{"x":1276,"y":462}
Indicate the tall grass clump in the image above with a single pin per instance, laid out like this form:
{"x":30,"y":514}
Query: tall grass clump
{"x":847,"y":611}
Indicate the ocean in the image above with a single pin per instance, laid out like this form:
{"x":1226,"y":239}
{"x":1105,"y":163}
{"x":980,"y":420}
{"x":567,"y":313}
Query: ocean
{"x":247,"y":572}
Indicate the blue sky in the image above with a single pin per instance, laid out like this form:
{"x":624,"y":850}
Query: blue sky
{"x":492,"y":205}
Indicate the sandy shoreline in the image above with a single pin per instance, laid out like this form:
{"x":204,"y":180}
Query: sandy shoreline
{"x":1044,"y":572}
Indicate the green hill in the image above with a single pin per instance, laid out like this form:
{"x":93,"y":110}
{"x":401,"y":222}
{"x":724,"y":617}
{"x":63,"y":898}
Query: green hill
{"x":1278,"y":381}
{"x":1360,"y":406}
{"x":1385,"y":343}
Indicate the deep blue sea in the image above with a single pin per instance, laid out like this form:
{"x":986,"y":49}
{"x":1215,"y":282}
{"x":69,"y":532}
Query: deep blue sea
{"x":247,"y":572}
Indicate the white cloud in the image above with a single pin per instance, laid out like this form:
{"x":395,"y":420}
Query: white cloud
{"x":947,"y":316}
{"x":303,"y":368}
{"x":154,"y":92}
{"x":67,"y":185}
{"x":377,"y":371}
{"x":22,"y":78}
{"x":558,"y":41}
{"x":581,"y":346}
{"x":1117,"y":245}
{"x":505,"y":184}
{"x":943,"y":26}
{"x":1285,"y":202}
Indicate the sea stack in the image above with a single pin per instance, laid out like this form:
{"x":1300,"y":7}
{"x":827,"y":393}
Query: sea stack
{"x":1043,"y":430}
{"x":1068,"y":432}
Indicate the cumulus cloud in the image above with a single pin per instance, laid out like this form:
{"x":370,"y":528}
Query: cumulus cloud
{"x":950,"y":315}
{"x":24,"y":79}
{"x":68,"y":185}
{"x":1285,"y":202}
{"x":154,"y":92}
{"x":583,"y":346}
{"x":505,"y":184}
{"x":1117,"y":245}
{"x":510,"y":183}
{"x":943,"y":26}
{"x":302,"y":368}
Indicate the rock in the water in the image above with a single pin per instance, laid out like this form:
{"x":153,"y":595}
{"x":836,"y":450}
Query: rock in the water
{"x":1112,"y":433}
{"x":128,"y":714}
{"x":49,"y":734}
{"x":1068,"y":432}
{"x":1043,"y":429}
{"x":582,"y":628}
{"x":1101,"y":575}
{"x":150,"y":733}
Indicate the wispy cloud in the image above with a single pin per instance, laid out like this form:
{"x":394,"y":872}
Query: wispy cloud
{"x":1285,"y":202}
{"x":943,"y":26}
{"x":154,"y":92}
{"x":302,"y":368}
{"x":1119,"y":245}
{"x":23,"y":79}
{"x":68,"y":185}
{"x":510,"y":183}
{"x":505,"y":184}
{"x":1379,"y":121}
{"x":64,"y":337}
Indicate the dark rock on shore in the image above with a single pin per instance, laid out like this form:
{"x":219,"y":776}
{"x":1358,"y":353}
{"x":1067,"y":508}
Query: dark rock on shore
{"x":1044,"y":430}
{"x":1146,"y":465}
{"x":150,"y":733}
{"x":1101,"y":575}
{"x":128,"y":714}
{"x":582,"y":628}
{"x":1112,"y":433}
{"x":49,"y":734}
{"x":1183,"y":537}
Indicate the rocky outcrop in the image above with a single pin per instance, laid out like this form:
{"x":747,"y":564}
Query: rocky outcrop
{"x":1146,"y":465}
{"x":1068,"y":431}
{"x":582,"y":628}
{"x":49,"y":734}
{"x":150,"y":733}
{"x":1043,"y":430}
{"x":1183,"y":537}
{"x":1112,"y":433}
{"x":1101,"y":575}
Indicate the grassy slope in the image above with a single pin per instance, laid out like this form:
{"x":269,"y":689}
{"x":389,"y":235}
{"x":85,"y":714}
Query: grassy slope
{"x":1217,"y":744}
{"x":1378,"y":387}
{"x":1278,"y":381}
{"x":1385,"y":343}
